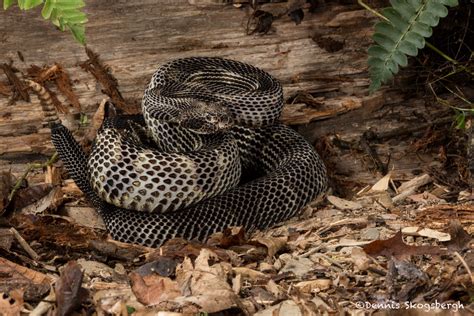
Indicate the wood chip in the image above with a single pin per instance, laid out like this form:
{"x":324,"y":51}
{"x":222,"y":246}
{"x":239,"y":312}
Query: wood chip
{"x":343,"y":204}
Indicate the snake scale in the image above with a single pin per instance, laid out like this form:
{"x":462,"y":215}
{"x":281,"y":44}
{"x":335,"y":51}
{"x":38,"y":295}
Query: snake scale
{"x":210,"y":154}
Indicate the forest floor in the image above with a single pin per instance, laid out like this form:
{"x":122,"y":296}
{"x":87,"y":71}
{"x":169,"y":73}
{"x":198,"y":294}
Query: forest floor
{"x":388,"y":249}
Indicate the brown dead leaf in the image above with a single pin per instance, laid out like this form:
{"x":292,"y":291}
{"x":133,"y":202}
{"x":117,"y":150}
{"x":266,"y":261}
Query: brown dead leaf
{"x":179,"y":248}
{"x":84,"y":216}
{"x":459,"y":237}
{"x":229,"y":237}
{"x":69,"y":291}
{"x":50,"y":201}
{"x":251,"y":274}
{"x":30,"y":195}
{"x":275,"y":289}
{"x":284,"y":308}
{"x":404,"y":279}
{"x":153,"y":289}
{"x":397,"y":248}
{"x":261,"y":295}
{"x":34,"y":284}
{"x":360,"y":259}
{"x":6,"y":184}
{"x":164,"y":266}
{"x":273,"y":244}
{"x":121,"y":250}
{"x":11,"y":303}
{"x":205,"y":284}
{"x":298,"y":266}
{"x":113,"y":299}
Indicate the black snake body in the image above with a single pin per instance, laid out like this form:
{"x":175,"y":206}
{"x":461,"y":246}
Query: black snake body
{"x":290,"y":173}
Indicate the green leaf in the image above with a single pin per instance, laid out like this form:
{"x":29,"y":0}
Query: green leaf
{"x":377,"y":51}
{"x":55,"y":19}
{"x":384,"y":41}
{"x":79,"y":32}
{"x":392,"y":66}
{"x":409,"y":23}
{"x":71,"y":13}
{"x":400,"y":58}
{"x":30,"y":4}
{"x":405,"y":10}
{"x":21,"y":4}
{"x":388,"y":30}
{"x":422,"y":29}
{"x":70,"y":2}
{"x":65,"y":14}
{"x":395,"y":19}
{"x":449,"y":3}
{"x":7,"y":4}
{"x":130,"y":310}
{"x":374,"y":85}
{"x":47,"y":9}
{"x":408,"y":48}
{"x":416,"y":4}
{"x":69,"y":6}
{"x":375,"y":62}
{"x":461,"y":120}
{"x":416,"y":39}
{"x":382,"y":74}
{"x":429,"y":18}
{"x":437,"y":9}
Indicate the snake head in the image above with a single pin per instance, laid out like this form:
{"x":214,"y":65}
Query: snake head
{"x":206,"y":117}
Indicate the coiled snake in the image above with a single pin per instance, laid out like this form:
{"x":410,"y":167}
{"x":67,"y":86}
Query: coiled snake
{"x":210,"y":120}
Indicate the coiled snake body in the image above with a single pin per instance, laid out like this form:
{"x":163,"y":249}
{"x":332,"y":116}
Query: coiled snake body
{"x":210,"y":120}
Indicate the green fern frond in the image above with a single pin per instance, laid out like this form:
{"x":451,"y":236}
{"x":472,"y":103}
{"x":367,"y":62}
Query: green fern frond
{"x":65,"y":14}
{"x":408,"y":23}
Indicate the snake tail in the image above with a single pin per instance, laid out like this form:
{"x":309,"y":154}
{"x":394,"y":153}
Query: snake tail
{"x":49,"y":110}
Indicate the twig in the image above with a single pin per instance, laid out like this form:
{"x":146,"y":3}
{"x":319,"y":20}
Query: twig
{"x":24,"y":244}
{"x":328,"y":259}
{"x":28,"y":170}
{"x":18,"y":183}
{"x":466,"y":266}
